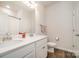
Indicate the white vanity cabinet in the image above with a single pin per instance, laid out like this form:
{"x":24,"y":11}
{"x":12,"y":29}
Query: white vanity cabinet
{"x":22,"y":52}
{"x":35,"y":49}
{"x":41,"y":48}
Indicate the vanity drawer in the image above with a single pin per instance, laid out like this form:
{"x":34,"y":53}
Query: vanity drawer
{"x":20,"y":52}
{"x":41,"y":42}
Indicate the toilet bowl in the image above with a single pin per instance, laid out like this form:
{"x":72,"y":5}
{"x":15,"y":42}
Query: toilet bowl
{"x":51,"y":46}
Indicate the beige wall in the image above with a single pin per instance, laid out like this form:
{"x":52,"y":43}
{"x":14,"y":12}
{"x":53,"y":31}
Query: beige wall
{"x":39,"y":17}
{"x":59,"y":24}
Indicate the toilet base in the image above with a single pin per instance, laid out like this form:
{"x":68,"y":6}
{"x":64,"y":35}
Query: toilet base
{"x":51,"y":50}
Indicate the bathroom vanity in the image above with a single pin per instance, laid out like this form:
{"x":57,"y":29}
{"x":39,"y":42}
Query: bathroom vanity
{"x":29,"y":47}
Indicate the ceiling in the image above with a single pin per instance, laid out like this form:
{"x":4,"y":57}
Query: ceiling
{"x":14,"y":5}
{"x":46,"y":3}
{"x":17,"y":5}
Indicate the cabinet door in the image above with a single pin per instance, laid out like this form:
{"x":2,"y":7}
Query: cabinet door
{"x":30,"y":55}
{"x":41,"y":51}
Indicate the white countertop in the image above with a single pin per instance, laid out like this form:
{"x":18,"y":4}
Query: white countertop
{"x":19,"y":42}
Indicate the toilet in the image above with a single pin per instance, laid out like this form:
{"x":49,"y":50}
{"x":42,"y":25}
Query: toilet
{"x":51,"y":46}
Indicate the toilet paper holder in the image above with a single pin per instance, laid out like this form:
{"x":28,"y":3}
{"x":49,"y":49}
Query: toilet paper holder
{"x":57,"y":38}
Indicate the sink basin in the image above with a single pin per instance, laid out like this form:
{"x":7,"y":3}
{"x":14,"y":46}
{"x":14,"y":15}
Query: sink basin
{"x":9,"y":43}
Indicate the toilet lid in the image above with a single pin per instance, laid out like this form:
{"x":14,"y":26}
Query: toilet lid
{"x":51,"y":44}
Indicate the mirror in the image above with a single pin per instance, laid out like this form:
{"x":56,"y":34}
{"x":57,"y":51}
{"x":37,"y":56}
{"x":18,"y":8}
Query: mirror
{"x":4,"y":24}
{"x":17,"y":18}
